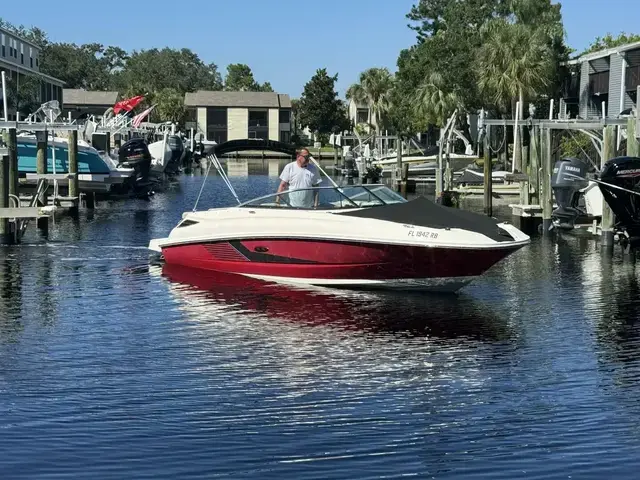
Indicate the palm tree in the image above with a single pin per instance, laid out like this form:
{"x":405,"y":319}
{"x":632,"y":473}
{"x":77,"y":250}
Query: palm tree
{"x":374,"y":89}
{"x":434,"y":102}
{"x":515,"y":63}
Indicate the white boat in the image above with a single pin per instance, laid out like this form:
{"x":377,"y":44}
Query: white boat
{"x":360,"y":236}
{"x":97,"y":172}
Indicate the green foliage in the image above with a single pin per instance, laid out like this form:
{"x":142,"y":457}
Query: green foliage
{"x":319,"y":107}
{"x":374,"y":89}
{"x":169,"y":105}
{"x":240,"y":79}
{"x":80,"y":66}
{"x":458,"y":60}
{"x":515,"y":61}
{"x":574,"y":145}
{"x":24,"y":94}
{"x":152,"y":70}
{"x":609,"y":41}
{"x":434,"y":101}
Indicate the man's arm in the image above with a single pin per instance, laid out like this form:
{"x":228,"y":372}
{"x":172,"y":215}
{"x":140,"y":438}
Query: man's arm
{"x":281,"y":188}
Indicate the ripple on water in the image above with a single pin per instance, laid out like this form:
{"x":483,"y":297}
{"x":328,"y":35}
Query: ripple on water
{"x":112,"y":366}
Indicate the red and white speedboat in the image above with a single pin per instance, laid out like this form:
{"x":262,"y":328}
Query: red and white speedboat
{"x":358,"y":236}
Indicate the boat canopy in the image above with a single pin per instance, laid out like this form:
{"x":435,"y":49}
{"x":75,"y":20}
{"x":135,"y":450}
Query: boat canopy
{"x":423,"y":212}
{"x":254,"y":144}
{"x":329,"y":198}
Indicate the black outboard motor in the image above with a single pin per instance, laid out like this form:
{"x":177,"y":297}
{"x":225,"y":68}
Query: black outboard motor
{"x":568,"y":178}
{"x":135,"y":154}
{"x":619,"y":179}
{"x":176,"y":145}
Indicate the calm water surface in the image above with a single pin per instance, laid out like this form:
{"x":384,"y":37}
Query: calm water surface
{"x":110,"y":367}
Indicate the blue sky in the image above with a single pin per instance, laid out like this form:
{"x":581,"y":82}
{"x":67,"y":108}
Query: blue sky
{"x":283,"y":41}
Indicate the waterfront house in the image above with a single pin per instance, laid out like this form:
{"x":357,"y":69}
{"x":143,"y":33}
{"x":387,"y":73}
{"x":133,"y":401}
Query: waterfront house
{"x":223,"y":116}
{"x":610,"y":76}
{"x":360,"y":114}
{"x":20,"y":58}
{"x":80,"y":102}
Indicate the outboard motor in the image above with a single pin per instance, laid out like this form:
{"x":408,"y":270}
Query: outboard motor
{"x":135,"y":154}
{"x":620,"y":187}
{"x":568,"y":178}
{"x":176,"y":145}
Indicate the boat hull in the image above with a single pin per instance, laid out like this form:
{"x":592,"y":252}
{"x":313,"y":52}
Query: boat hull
{"x":341,"y":263}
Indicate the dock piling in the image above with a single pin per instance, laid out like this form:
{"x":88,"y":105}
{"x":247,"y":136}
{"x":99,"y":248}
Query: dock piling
{"x":534,"y":166}
{"x":41,"y":169}
{"x":5,"y":232}
{"x":74,"y":190}
{"x":13,"y":162}
{"x":608,"y":151}
{"x":546,"y":193}
{"x":488,"y":185}
{"x":633,"y":149}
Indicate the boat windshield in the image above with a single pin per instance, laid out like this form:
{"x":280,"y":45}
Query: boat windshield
{"x":329,"y":197}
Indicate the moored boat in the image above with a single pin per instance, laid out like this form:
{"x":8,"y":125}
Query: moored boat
{"x":360,"y":236}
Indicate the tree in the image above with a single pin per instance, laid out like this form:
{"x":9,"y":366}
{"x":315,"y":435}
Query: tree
{"x":23,"y":95}
{"x":514,"y":62}
{"x":78,"y":65}
{"x":319,"y":107}
{"x":609,"y":41}
{"x":374,"y":89}
{"x":153,"y":70}
{"x":169,"y":106}
{"x":434,"y":101}
{"x":240,"y":79}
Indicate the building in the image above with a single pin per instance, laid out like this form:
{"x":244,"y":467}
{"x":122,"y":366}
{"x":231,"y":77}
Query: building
{"x":20,"y":58}
{"x":360,"y":114}
{"x":223,"y":116}
{"x":81,"y":103}
{"x":610,"y":76}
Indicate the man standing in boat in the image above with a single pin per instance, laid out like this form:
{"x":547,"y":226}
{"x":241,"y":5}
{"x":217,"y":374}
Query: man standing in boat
{"x":300,"y":175}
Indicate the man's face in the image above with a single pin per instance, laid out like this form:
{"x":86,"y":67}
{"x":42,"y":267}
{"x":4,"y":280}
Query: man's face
{"x":303,"y":158}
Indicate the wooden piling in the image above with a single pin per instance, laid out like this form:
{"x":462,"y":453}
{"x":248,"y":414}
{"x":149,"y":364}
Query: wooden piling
{"x":534,"y":166}
{"x":13,"y":162}
{"x":546,"y":196}
{"x":74,"y":183}
{"x":524,"y":160}
{"x":608,"y":220}
{"x":488,"y":185}
{"x":41,"y":169}
{"x":633,"y":149}
{"x":5,"y":232}
{"x":403,"y":180}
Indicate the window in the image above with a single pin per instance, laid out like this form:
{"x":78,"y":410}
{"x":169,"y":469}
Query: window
{"x":284,"y":116}
{"x":217,"y":124}
{"x":22,"y":58}
{"x":258,"y":124}
{"x":285,"y":136}
{"x":362,"y":115}
{"x":4,"y":51}
{"x":258,"y":118}
{"x":31,"y":62}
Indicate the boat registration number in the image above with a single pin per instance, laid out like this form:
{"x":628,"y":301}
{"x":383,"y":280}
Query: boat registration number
{"x":421,"y":234}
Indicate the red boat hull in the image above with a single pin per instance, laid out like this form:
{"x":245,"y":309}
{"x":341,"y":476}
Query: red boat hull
{"x":313,"y":260}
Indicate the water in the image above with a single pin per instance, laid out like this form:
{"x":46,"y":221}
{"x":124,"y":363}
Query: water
{"x":110,"y":369}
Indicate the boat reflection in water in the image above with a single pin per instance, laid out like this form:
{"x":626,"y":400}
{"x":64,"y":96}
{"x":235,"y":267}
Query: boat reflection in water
{"x":211,"y":293}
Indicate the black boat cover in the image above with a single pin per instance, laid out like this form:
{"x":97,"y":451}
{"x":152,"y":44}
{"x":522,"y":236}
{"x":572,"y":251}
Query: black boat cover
{"x":425,"y":213}
{"x":255,"y":144}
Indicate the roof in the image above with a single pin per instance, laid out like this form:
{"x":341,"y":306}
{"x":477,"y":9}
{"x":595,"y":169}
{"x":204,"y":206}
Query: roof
{"x":74,"y":96}
{"x":30,"y":71}
{"x":205,"y":98}
{"x":22,"y":39}
{"x":603,"y":53}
